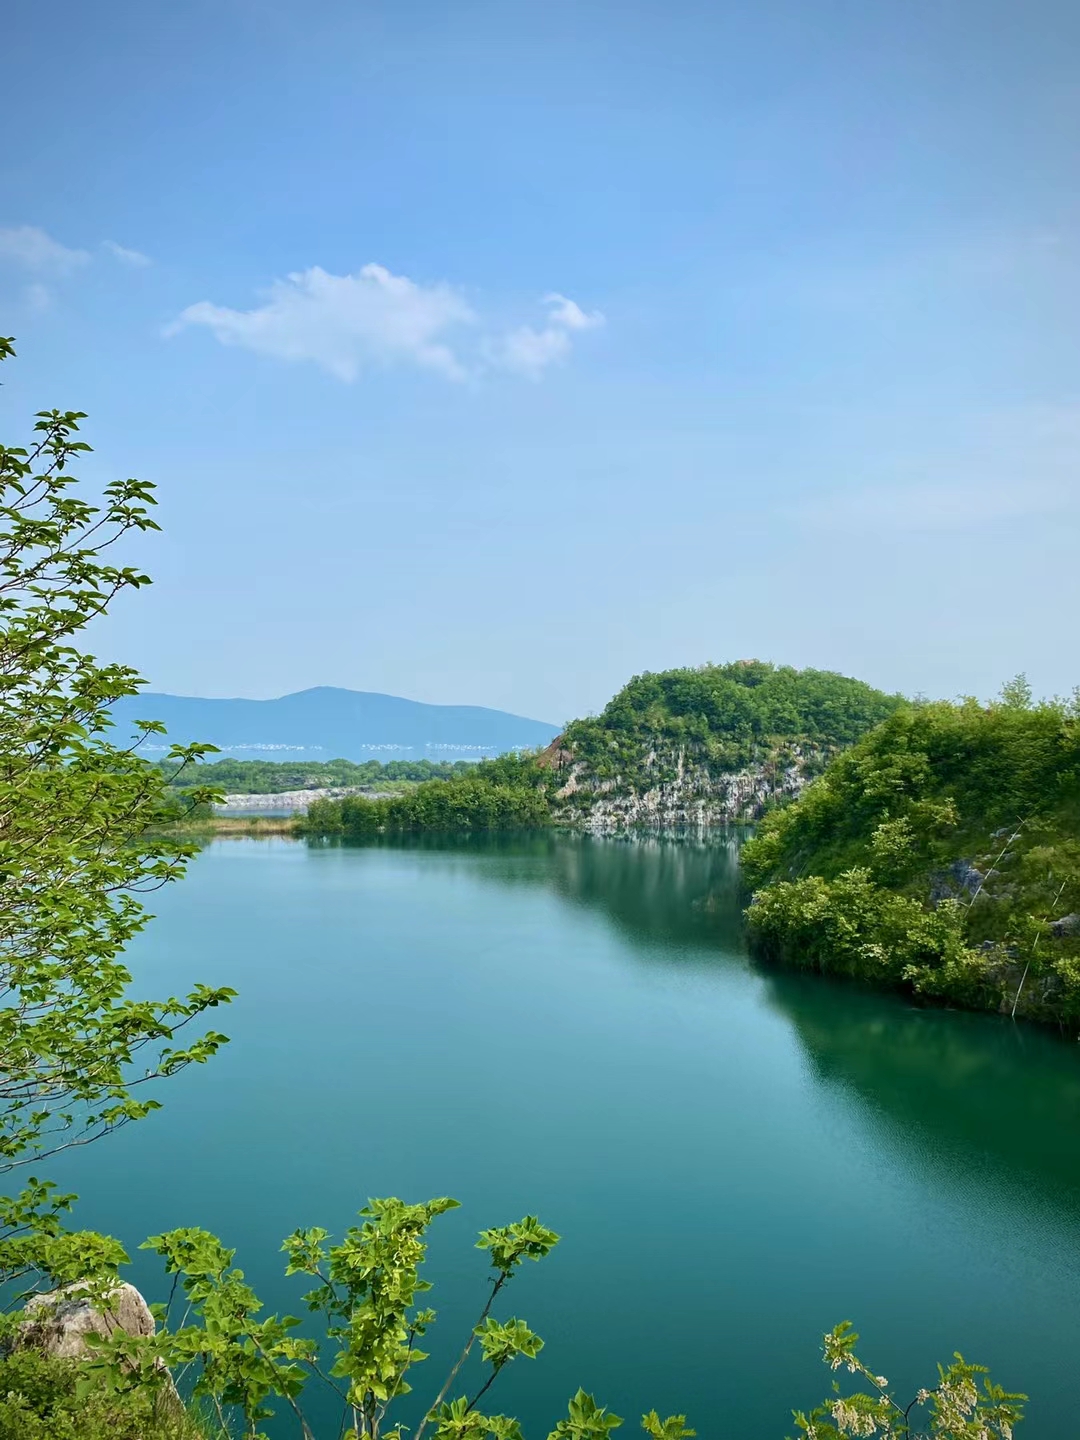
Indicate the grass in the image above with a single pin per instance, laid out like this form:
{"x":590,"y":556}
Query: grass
{"x":231,"y":825}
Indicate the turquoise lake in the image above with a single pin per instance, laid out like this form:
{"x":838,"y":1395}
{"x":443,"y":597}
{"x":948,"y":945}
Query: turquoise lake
{"x":736,"y":1159}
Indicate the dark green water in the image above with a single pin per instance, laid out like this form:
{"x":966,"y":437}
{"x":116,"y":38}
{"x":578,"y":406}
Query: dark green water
{"x":736,"y":1160}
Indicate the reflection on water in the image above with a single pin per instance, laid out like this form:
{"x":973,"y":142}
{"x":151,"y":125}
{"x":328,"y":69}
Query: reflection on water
{"x":976,"y":1089}
{"x":672,"y":886}
{"x":966,"y":1088}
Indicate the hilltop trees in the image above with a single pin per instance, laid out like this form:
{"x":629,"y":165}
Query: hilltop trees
{"x":726,"y":714}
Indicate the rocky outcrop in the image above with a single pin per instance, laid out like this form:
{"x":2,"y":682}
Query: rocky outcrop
{"x":960,"y":881}
{"x":676,"y":789}
{"x":58,"y":1323}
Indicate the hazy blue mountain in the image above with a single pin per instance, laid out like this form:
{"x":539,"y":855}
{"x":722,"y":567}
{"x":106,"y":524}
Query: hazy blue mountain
{"x":328,"y":724}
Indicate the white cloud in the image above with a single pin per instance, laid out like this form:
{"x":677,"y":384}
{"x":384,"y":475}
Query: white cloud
{"x":134,"y":258}
{"x":348,"y":322}
{"x":34,"y":250}
{"x":344,"y":322}
{"x":569,"y":315}
{"x":527,"y":351}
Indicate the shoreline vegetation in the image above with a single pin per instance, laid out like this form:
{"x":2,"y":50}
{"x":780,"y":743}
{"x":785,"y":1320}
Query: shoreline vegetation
{"x":939,"y":856}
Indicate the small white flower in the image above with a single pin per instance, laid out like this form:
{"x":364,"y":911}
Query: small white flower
{"x":843,"y":1414}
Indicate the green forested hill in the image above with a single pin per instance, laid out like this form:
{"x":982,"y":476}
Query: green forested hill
{"x":711,"y":745}
{"x":942,"y":854}
{"x":727,"y":713}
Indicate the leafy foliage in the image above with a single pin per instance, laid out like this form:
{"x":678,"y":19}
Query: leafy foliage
{"x":35,"y":1241}
{"x":74,"y":806}
{"x":367,"y":1291}
{"x":954,"y":1409}
{"x":939,"y":854}
{"x":673,"y":1428}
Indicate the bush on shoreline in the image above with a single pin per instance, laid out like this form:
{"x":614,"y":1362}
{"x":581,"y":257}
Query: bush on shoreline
{"x":941,"y":855}
{"x":513,"y":792}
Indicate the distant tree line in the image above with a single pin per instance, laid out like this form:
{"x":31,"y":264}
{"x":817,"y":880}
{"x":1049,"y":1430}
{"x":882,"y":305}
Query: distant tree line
{"x":273,"y":777}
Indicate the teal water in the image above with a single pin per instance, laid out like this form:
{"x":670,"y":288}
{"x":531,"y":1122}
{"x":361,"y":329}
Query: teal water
{"x":736,"y":1159}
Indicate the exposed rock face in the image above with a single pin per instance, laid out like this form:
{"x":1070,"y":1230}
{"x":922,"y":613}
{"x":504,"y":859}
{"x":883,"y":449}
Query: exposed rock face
{"x":1066,"y":927}
{"x":687,"y":792}
{"x":58,"y":1323}
{"x":961,"y":880}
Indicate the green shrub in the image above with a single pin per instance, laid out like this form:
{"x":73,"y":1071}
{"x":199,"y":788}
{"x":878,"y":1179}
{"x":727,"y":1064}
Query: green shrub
{"x":47,"y":1399}
{"x":510,"y":793}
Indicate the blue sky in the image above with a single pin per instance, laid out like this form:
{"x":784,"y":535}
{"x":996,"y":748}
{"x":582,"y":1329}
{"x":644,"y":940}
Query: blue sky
{"x":493,"y":352}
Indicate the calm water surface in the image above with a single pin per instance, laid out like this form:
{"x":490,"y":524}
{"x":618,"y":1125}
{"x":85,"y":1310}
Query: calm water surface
{"x":736,"y":1160}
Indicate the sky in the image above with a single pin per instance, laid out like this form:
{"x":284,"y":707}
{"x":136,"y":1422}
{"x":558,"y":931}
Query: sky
{"x":493,"y":351}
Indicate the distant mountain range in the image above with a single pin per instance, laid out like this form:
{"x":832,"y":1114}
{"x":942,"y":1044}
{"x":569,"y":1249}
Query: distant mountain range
{"x":330,"y":724}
